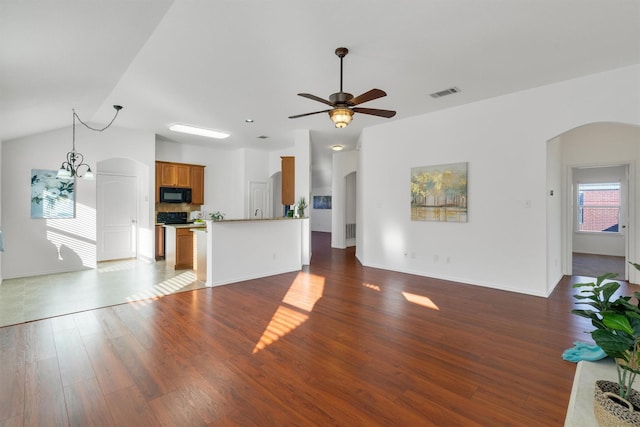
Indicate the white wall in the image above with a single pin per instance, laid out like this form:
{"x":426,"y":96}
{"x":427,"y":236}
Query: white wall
{"x":256,"y":169}
{"x":554,"y":211}
{"x":504,"y":244}
{"x":0,"y":210}
{"x":41,"y":246}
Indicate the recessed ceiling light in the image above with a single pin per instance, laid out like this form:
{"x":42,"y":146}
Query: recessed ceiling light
{"x":248,"y":120}
{"x":337,"y":147}
{"x":209,"y":133}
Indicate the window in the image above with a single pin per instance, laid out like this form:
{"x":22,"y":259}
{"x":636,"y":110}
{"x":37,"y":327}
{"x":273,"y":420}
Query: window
{"x":599,"y":207}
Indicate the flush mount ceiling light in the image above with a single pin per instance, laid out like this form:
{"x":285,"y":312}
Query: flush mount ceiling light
{"x":193,"y":130}
{"x":337,"y":147}
{"x":75,"y":160}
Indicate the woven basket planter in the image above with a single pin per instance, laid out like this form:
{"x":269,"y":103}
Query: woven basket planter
{"x":613,"y":411}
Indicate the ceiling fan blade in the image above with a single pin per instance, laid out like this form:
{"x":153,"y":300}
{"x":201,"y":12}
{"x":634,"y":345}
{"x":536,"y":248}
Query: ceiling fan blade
{"x":316,"y":98}
{"x":367,"y":96}
{"x":375,"y":112}
{"x":308,"y":114}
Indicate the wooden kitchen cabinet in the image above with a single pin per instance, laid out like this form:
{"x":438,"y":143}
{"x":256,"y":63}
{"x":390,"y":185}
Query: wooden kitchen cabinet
{"x":288,"y":167}
{"x":184,"y":248}
{"x":197,"y":185}
{"x":159,"y":241}
{"x":181,"y":175}
{"x":174,"y":174}
{"x":179,"y":247}
{"x":168,"y":177}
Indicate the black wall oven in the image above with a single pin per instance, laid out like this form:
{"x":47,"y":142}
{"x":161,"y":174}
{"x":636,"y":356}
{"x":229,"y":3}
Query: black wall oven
{"x":175,"y":195}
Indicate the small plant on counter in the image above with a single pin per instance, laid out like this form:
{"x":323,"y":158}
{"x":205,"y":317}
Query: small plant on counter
{"x":216,"y":216}
{"x":301,"y":205}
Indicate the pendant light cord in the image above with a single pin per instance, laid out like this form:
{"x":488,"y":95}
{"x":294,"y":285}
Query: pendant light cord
{"x":117,"y":107}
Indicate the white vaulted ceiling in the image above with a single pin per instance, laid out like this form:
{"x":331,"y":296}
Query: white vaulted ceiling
{"x":215,"y":63}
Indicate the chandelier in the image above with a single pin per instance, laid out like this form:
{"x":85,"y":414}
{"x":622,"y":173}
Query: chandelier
{"x":75,"y":160}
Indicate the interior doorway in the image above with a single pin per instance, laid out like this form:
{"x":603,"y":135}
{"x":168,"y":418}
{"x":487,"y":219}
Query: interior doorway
{"x":116,"y":212}
{"x":600,"y":200}
{"x":350,"y":210}
{"x":259,"y":206}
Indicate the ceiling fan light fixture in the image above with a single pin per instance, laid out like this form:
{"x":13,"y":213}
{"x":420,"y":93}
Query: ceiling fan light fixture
{"x":341,"y":117}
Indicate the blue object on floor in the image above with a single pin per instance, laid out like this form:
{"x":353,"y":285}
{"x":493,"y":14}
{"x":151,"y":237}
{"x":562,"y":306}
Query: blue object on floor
{"x":583,"y":351}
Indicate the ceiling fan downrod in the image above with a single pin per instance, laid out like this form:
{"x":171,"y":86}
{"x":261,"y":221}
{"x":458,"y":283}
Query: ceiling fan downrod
{"x":341,"y":52}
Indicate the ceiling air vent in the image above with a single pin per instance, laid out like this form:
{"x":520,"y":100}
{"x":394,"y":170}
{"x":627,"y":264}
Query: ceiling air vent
{"x":445,"y":92}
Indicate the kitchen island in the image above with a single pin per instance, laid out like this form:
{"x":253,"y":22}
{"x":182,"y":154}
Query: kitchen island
{"x":179,"y":245}
{"x":245,"y":249}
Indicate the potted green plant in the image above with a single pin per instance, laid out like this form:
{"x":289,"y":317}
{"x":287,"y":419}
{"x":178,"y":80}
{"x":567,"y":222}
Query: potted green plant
{"x":216,"y":216}
{"x":301,"y":205}
{"x":616,"y":322}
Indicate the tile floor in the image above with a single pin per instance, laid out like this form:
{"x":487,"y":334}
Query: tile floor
{"x":114,"y":282}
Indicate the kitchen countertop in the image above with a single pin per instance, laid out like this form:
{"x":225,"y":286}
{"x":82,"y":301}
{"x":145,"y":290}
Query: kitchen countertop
{"x":257,"y":219}
{"x":191,"y":225}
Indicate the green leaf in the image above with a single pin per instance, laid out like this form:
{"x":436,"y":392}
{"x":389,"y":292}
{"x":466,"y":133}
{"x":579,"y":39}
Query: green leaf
{"x":612,"y":344}
{"x":591,"y":297}
{"x":608,"y":289}
{"x":605,"y":276}
{"x":582,"y":285}
{"x":634,"y":320}
{"x":618,"y":322}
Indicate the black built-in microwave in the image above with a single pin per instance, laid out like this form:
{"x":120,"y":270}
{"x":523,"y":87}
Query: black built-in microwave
{"x":175,"y":195}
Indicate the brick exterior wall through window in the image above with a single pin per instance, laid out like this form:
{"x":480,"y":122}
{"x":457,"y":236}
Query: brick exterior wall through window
{"x":599,"y":209}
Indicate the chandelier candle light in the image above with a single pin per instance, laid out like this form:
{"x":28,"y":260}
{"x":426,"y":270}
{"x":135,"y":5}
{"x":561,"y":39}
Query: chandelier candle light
{"x":71,"y":167}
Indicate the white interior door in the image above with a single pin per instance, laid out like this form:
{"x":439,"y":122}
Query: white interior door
{"x":116,"y":215}
{"x":259,"y":200}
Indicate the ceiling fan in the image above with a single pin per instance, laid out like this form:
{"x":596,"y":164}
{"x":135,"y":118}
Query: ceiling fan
{"x":344,"y":104}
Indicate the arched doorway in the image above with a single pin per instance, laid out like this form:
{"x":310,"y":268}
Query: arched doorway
{"x":590,"y":153}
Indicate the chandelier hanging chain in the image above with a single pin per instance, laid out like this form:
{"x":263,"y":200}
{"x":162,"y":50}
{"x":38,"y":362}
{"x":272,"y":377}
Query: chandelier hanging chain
{"x":71,"y":167}
{"x":117,"y":107}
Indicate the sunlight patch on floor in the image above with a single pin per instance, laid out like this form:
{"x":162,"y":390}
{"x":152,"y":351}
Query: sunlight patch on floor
{"x":303,"y":294}
{"x":283,"y":321}
{"x":166,"y":287}
{"x":121,"y":265}
{"x":371,"y":286}
{"x":305,"y":291}
{"x":420,"y":300}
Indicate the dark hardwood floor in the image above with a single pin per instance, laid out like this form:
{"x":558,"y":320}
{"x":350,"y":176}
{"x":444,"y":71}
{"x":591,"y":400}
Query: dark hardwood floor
{"x":335,"y":344}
